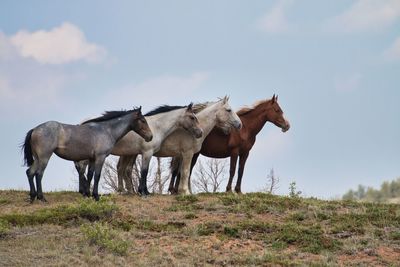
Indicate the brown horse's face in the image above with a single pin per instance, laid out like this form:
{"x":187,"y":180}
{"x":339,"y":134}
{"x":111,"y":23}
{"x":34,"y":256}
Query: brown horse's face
{"x":141,"y":127}
{"x":275,"y":114}
{"x":190,"y":123}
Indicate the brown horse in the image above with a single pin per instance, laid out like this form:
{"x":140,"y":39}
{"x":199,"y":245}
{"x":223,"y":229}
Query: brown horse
{"x":238,"y":143}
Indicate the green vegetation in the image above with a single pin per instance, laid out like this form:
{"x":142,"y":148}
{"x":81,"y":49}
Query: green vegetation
{"x":4,"y":228}
{"x":259,"y":203}
{"x":389,"y":192}
{"x":87,"y":209}
{"x":102,"y":235}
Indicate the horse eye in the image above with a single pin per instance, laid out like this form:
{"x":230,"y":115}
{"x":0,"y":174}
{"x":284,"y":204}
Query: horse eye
{"x":229,"y":110}
{"x":192,"y":118}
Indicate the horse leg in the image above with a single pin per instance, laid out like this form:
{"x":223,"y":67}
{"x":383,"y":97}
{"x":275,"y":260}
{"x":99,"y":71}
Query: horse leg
{"x":178,"y":181}
{"x":30,"y":173}
{"x":80,"y":166}
{"x":174,"y":173}
{"x":97,"y":172}
{"x":193,"y":162}
{"x":232,"y":170}
{"x":89,"y":176}
{"x":128,"y":175}
{"x":39,"y":174}
{"x":178,"y":175}
{"x":121,"y":165}
{"x":143,"y":175}
{"x":184,"y":172}
{"x":242,"y":163}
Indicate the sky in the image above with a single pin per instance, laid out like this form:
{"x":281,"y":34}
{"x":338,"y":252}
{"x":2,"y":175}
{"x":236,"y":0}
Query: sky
{"x":335,"y":66}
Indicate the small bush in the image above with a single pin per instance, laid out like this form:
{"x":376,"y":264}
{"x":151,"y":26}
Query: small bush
{"x":148,"y":225}
{"x":395,"y":235}
{"x":309,"y":238}
{"x":4,"y":201}
{"x":4,"y":228}
{"x":102,"y":235}
{"x":208,"y":228}
{"x":231,"y":231}
{"x":188,"y":199}
{"x":190,"y":216}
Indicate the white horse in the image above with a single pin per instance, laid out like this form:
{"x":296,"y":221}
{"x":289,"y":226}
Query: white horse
{"x":162,"y":122}
{"x":183,"y":145}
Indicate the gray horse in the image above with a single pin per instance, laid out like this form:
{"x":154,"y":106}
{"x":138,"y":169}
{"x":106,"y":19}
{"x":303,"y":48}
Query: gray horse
{"x":93,"y":140}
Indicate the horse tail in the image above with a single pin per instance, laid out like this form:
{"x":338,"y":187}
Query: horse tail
{"x":28,"y":157}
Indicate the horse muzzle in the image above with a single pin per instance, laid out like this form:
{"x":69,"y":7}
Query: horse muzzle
{"x":286,"y":127}
{"x":148,"y":138}
{"x":237,"y":125}
{"x":198,"y":133}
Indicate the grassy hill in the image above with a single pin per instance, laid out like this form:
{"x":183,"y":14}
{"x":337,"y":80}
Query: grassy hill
{"x":218,"y":229}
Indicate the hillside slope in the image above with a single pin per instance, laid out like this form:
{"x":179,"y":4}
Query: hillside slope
{"x":219,"y":229}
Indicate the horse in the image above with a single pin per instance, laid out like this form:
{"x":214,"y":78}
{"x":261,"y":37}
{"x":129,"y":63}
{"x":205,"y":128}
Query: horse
{"x":183,"y":145}
{"x":92,"y":140}
{"x":237,"y":144}
{"x":162,"y":121}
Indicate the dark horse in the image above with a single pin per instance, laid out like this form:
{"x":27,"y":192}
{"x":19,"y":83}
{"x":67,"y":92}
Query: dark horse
{"x":238,"y":143}
{"x":92,"y":140}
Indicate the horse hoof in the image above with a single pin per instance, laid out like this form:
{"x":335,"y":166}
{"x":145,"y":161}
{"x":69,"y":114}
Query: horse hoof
{"x":30,"y":200}
{"x":96,"y":197}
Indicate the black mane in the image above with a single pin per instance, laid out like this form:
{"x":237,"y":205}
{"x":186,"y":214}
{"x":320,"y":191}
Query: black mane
{"x":162,"y":109}
{"x":109,"y":115}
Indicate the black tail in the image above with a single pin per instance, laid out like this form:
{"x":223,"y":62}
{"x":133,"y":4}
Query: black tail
{"x":28,"y":157}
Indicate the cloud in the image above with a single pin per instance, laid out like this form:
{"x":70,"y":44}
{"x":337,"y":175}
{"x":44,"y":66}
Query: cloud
{"x":60,"y":45}
{"x":393,"y":52}
{"x":366,"y":16}
{"x":275,"y":20}
{"x":349,"y":83}
{"x":29,"y":81}
{"x":164,"y":89}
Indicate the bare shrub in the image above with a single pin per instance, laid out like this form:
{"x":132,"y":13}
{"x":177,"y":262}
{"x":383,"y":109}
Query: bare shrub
{"x":209,"y":175}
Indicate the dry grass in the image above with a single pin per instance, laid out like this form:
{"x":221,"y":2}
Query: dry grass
{"x":218,"y":229}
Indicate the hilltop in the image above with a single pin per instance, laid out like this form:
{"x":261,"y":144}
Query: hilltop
{"x":205,"y":229}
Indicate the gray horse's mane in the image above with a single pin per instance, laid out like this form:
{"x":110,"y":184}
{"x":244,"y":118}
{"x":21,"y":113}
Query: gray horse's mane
{"x":109,"y":115}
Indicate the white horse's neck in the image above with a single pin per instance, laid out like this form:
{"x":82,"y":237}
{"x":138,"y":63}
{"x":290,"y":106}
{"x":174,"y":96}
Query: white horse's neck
{"x":208,"y":119}
{"x":163,"y":124}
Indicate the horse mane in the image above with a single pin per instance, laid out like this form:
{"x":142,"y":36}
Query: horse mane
{"x":109,"y":115}
{"x":162,"y":109}
{"x":245,"y":110}
{"x":200,"y":106}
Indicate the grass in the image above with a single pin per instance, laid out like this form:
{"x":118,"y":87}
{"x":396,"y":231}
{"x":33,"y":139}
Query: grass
{"x":223,"y":229}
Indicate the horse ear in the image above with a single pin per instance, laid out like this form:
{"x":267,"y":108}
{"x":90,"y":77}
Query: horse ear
{"x":273,"y":98}
{"x":190,"y":106}
{"x":276,"y":98}
{"x":140,"y":109}
{"x":226,"y":99}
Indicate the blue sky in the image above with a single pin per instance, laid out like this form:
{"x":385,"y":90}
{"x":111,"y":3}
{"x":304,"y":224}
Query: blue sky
{"x":334,"y":64}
